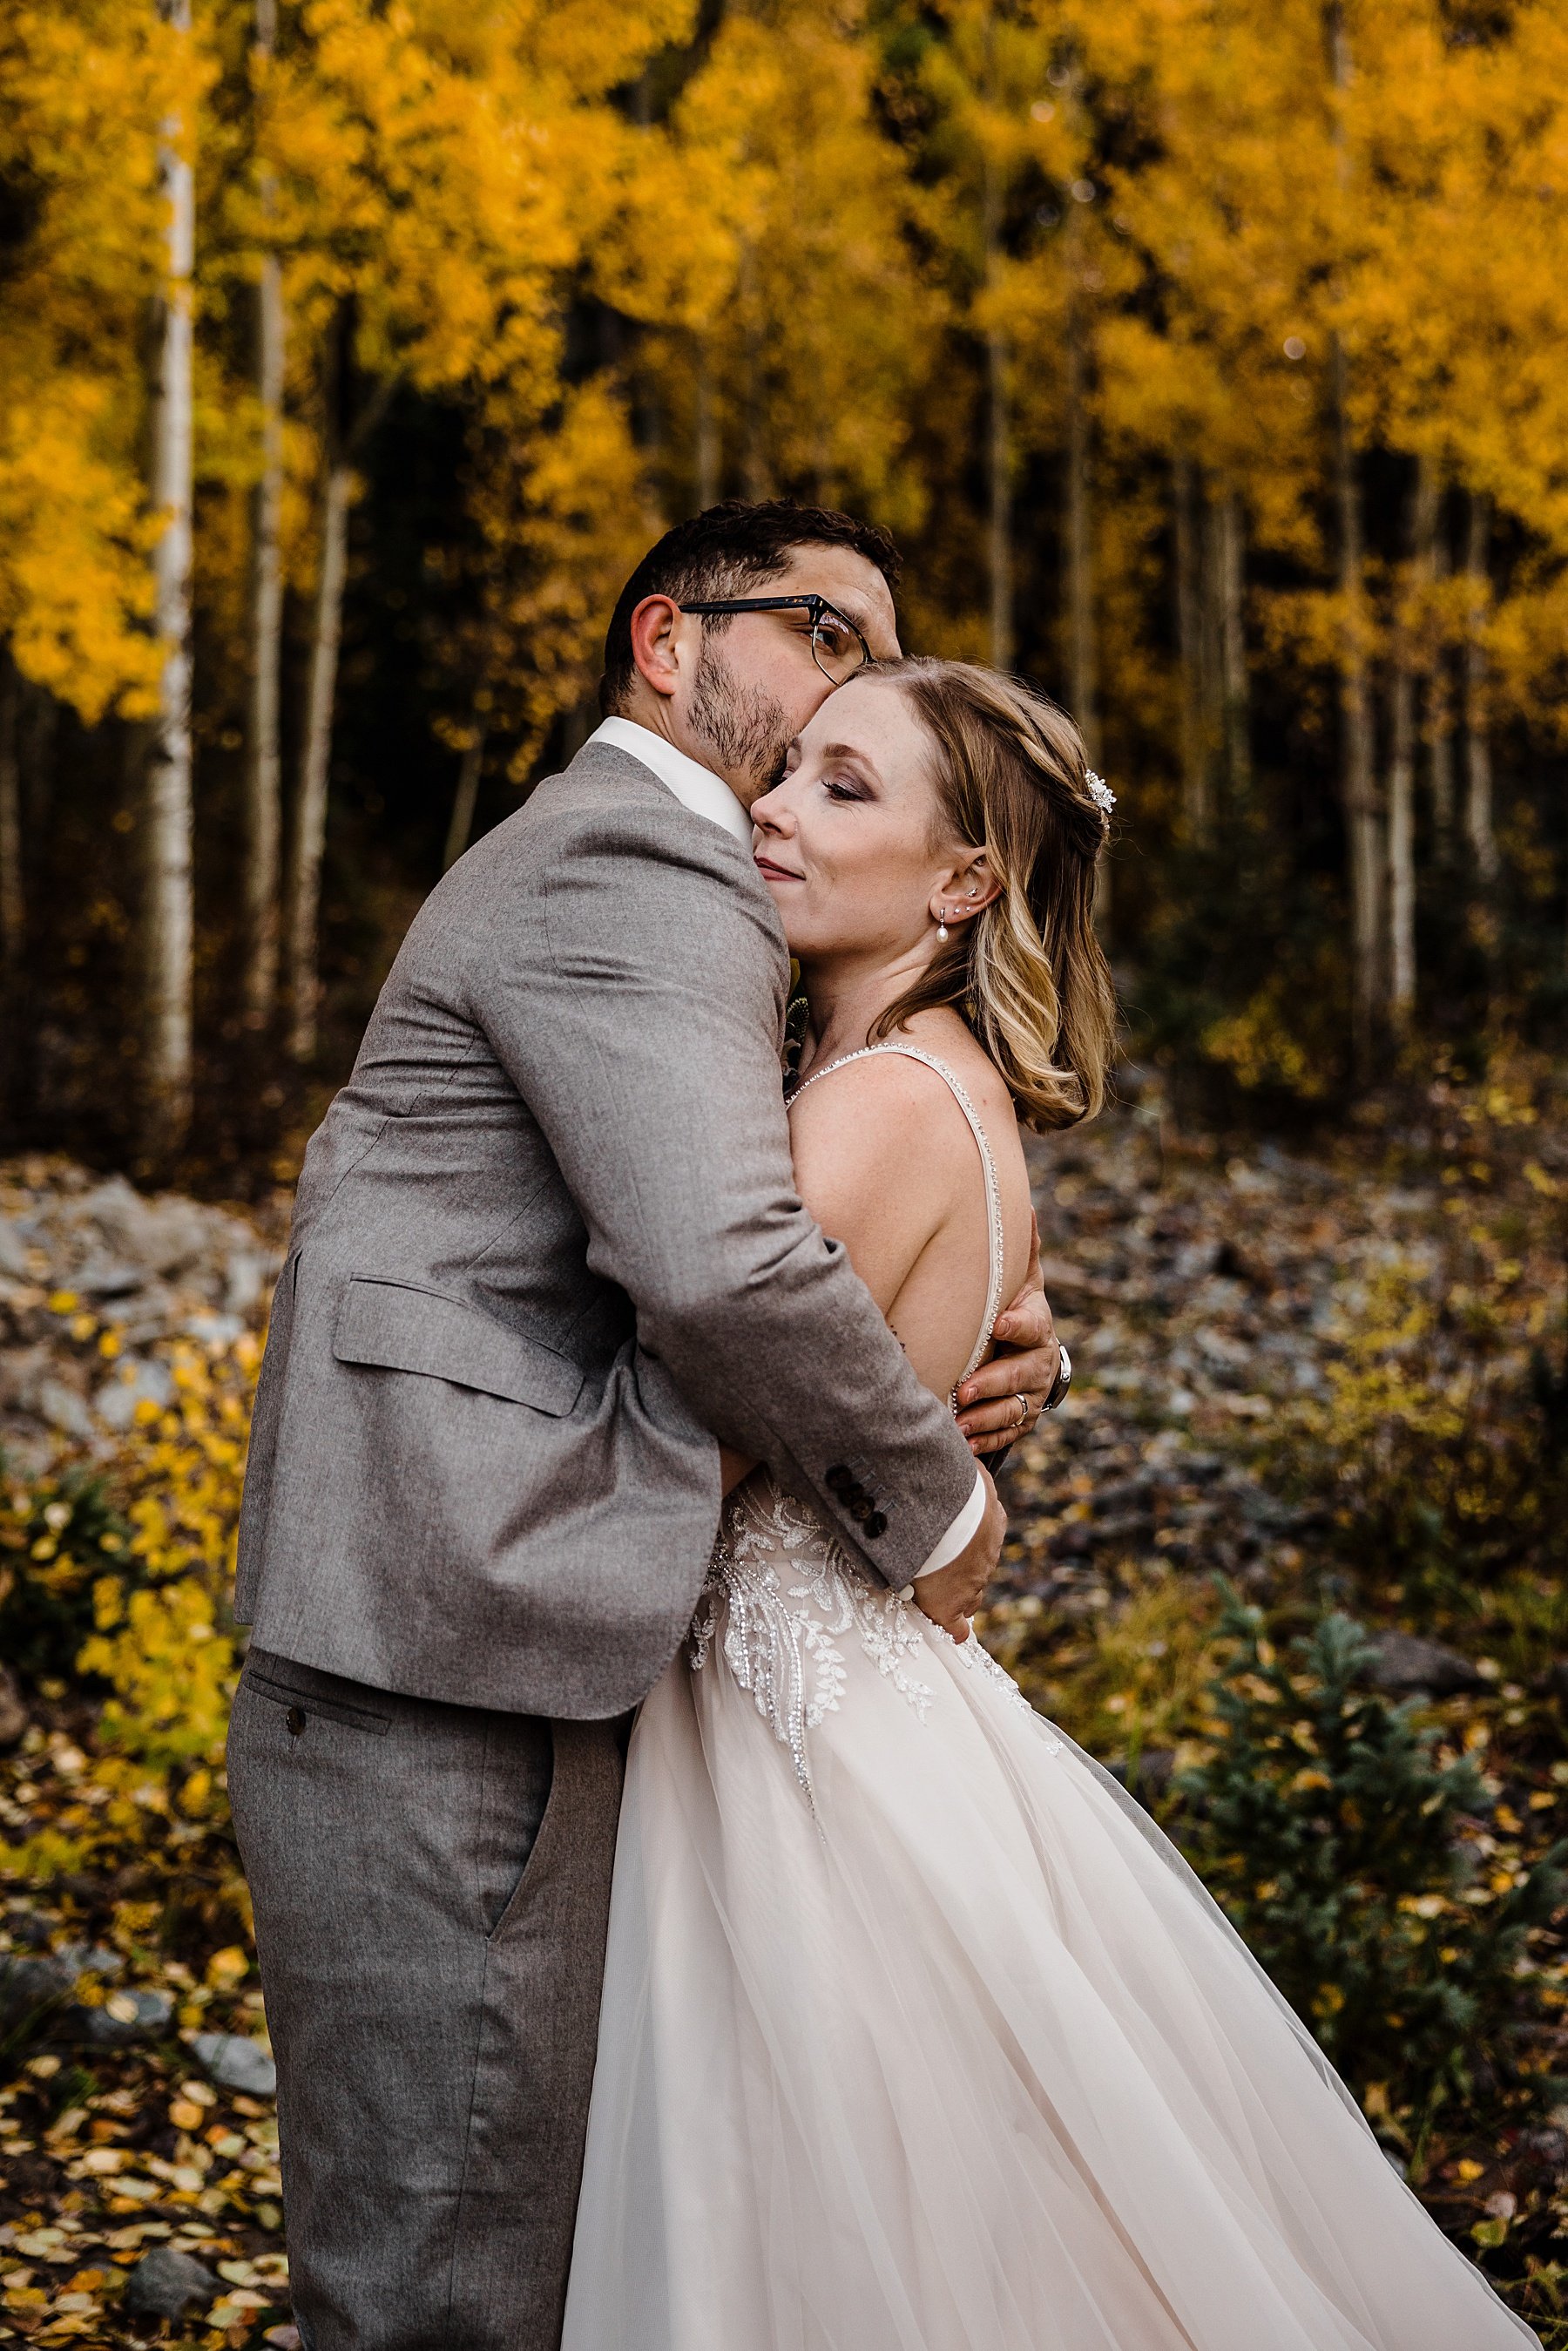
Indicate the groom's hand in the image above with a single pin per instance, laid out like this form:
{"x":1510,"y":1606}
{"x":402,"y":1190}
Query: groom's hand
{"x":1003,"y":1401}
{"x":949,"y":1595}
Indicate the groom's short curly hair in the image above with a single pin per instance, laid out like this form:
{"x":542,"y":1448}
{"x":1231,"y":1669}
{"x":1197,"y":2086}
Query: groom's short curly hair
{"x":727,"y":550}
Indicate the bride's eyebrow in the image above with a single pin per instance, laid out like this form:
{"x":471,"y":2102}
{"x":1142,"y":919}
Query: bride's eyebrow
{"x":856,"y":758}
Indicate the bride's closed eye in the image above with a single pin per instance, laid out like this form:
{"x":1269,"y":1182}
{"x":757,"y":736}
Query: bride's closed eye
{"x":843,"y":788}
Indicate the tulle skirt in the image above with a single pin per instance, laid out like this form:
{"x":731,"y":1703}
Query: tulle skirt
{"x":918,"y":2035}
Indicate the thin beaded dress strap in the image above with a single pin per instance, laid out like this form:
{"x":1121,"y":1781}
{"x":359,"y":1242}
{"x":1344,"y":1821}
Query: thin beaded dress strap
{"x":993,"y":1189}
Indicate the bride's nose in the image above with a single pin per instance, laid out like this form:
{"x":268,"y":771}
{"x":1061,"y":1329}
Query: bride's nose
{"x":772,"y":814}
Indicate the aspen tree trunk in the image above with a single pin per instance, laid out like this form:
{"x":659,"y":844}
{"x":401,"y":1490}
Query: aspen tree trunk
{"x":708,"y":453}
{"x":310,"y":819}
{"x":303,"y":890}
{"x":999,"y":437}
{"x":1230,"y":567}
{"x":1190,"y":653}
{"x":1431,"y":564}
{"x":460,"y":831}
{"x":1078,"y":582}
{"x":264,"y":767}
{"x":754,"y":466}
{"x":167,"y":912}
{"x":12,"y":890}
{"x":12,"y":900}
{"x":1479,"y":833}
{"x":1358,"y":778}
{"x":1402,"y":799}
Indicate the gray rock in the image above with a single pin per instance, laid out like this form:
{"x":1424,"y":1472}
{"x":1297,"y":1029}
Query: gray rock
{"x":236,"y":2063}
{"x":13,"y":1713}
{"x":107,"y":1278}
{"x":124,"y":2018}
{"x":1544,"y":2150}
{"x":142,"y":1379}
{"x":13,"y":1250}
{"x":63,"y":1409}
{"x":165,"y":1234}
{"x":29,"y":1986}
{"x":164,"y":2283}
{"x":80,"y":1959}
{"x":213,"y":1330}
{"x":249,"y":1272}
{"x":1405,"y":1662}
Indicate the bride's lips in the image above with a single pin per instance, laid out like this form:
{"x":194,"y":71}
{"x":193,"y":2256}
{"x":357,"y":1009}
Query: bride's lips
{"x":769,"y":870}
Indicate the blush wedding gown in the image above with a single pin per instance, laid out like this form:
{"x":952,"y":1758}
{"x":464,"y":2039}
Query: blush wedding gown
{"x":919,"y":2035}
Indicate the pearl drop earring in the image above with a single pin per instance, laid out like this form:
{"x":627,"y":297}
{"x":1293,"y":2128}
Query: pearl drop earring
{"x":942,"y":925}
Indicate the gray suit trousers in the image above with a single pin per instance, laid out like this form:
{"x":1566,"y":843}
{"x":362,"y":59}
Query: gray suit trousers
{"x":432,"y":1891}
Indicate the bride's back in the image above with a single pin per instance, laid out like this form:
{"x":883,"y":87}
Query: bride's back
{"x":888,"y":1163}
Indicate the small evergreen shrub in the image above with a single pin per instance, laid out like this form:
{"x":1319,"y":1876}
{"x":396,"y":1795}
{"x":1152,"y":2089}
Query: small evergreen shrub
{"x":1342,"y":1846}
{"x":57,"y":1535}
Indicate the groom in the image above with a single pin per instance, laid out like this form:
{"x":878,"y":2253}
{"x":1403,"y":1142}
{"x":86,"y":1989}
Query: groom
{"x":546,"y":1257}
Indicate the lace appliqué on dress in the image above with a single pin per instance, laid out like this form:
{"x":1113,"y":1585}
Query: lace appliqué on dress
{"x":789,"y":1594}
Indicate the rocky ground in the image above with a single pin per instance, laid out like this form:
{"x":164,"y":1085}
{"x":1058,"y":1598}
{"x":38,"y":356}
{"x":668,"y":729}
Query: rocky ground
{"x":1202,"y":1288}
{"x":75,"y":1248}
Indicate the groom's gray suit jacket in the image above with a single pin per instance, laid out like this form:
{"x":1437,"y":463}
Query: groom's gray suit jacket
{"x":546,"y":1243}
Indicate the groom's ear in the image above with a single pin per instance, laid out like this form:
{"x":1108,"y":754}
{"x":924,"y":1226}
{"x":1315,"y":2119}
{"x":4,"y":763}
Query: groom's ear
{"x":658,"y":625}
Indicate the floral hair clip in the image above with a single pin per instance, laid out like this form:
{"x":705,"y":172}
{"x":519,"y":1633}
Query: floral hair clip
{"x":1100,"y":792}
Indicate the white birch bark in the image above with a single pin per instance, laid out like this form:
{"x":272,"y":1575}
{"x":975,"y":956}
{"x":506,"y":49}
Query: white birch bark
{"x":708,"y":450}
{"x":460,"y":831}
{"x":1431,"y":565}
{"x":1358,"y":778}
{"x":1077,"y":542}
{"x":310,"y":819}
{"x":1358,"y":774}
{"x":264,"y":770}
{"x":167,"y":912}
{"x":13,"y":889}
{"x":999,"y":436}
{"x":1079,"y":583}
{"x":1478,"y":830}
{"x":1402,"y":826}
{"x":1231,"y":591}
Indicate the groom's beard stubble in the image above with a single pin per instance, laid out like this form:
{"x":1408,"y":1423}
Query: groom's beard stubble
{"x":748,"y":733}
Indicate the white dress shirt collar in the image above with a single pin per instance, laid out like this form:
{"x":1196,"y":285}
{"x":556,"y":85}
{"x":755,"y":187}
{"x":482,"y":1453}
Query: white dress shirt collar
{"x":693,"y":785}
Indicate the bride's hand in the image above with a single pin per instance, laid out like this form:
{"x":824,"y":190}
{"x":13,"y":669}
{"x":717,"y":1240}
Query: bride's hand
{"x":1003,"y":1401}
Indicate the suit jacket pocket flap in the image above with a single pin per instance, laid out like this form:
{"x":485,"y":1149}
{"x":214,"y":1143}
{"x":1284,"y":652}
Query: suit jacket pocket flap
{"x":404,"y":1329}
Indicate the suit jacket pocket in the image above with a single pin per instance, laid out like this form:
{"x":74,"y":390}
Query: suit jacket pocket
{"x":400,"y":1327}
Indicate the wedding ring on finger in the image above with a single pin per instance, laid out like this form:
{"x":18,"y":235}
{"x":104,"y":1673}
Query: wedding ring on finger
{"x":1022,"y":1419}
{"x":1062,"y":1380}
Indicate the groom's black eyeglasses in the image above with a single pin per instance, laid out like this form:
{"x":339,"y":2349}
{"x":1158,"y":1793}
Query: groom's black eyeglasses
{"x":837,"y":647}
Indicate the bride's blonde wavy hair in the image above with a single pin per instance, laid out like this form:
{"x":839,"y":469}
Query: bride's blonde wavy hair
{"x":1027,"y":973}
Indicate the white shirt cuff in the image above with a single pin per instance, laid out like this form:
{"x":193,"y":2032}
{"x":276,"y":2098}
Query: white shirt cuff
{"x":962,"y":1533}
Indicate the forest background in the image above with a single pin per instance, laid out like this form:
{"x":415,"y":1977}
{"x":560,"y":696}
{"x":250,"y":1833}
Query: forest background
{"x":1210,"y":362}
{"x":1207,"y":362}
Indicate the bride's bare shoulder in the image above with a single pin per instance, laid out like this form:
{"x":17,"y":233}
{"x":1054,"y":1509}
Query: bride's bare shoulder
{"x":889,"y":1113}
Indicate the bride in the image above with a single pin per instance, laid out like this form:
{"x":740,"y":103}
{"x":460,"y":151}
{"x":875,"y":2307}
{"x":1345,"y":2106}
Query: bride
{"x":916,"y":2033}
